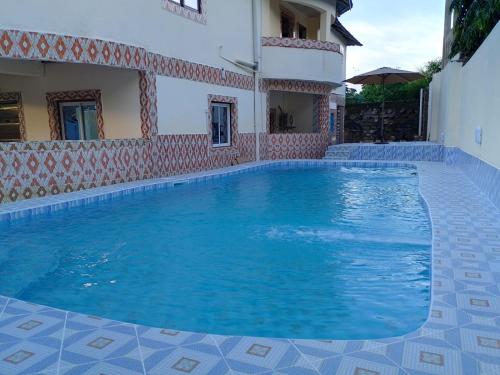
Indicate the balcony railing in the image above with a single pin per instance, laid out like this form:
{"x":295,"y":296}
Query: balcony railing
{"x":300,"y":43}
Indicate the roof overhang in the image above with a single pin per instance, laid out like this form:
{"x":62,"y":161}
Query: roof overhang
{"x":350,"y":40}
{"x":343,"y":6}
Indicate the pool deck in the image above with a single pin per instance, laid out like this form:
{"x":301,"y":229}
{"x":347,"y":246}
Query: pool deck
{"x":461,"y":335}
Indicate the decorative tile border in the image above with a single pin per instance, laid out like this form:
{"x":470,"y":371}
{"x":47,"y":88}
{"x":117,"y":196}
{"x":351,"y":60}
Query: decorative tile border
{"x":180,"y":154}
{"x":37,"y":169}
{"x":4,"y":96}
{"x":290,"y":85}
{"x":29,"y":45}
{"x":177,"y":68}
{"x":296,"y":146}
{"x":459,"y":337}
{"x":300,"y":43}
{"x":148,"y":101}
{"x":53,"y":99}
{"x":191,"y":14}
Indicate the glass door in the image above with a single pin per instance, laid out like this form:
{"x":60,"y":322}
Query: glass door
{"x":78,"y":121}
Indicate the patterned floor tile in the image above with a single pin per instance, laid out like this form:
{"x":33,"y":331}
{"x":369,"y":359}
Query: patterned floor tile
{"x":301,"y":368}
{"x":157,"y":338}
{"x":87,"y":346}
{"x":81,"y":322}
{"x":479,"y":341}
{"x":432,"y":355}
{"x":196,"y":360}
{"x":167,"y":351}
{"x":44,"y":322}
{"x":316,"y":349}
{"x":40,"y":355}
{"x":3,"y":303}
{"x":256,"y":355}
{"x":118,"y":366}
{"x":351,"y":365}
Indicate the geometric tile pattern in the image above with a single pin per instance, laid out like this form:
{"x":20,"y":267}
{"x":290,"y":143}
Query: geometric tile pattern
{"x":188,"y":13}
{"x":53,"y":99}
{"x":177,"y":68}
{"x":296,"y":146}
{"x":29,"y":45}
{"x":291,"y":85}
{"x":187,"y":153}
{"x":148,"y":101}
{"x":300,"y":43}
{"x":37,"y":169}
{"x":461,"y":335}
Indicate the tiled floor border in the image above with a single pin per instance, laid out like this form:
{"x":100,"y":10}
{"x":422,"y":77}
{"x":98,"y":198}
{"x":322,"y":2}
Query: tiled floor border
{"x":461,"y":335}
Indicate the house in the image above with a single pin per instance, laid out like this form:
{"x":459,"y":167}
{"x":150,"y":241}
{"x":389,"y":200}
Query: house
{"x":100,"y":92}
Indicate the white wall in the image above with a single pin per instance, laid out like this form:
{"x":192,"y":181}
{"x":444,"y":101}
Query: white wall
{"x":183,"y":106}
{"x":468,"y":97}
{"x":142,"y":23}
{"x":119,"y":90}
{"x":434,"y":132}
{"x":302,"y":64}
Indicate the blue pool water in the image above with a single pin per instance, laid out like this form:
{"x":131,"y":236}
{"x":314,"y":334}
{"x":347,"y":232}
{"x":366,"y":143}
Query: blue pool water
{"x":326,"y":253}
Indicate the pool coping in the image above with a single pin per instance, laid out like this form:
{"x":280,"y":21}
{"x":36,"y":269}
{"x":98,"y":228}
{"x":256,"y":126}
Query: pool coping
{"x":441,"y":345}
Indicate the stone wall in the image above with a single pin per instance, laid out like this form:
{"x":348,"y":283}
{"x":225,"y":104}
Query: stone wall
{"x":362,"y":121}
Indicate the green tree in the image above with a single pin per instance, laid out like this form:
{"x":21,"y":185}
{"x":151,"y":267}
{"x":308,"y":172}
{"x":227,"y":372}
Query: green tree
{"x":474,"y":21}
{"x":352,"y":96}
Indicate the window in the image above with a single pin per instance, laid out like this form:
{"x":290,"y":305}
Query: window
{"x":78,"y":120}
{"x":302,"y":32}
{"x":10,"y":119}
{"x":221,"y":124}
{"x":287,"y":23}
{"x":191,"y":4}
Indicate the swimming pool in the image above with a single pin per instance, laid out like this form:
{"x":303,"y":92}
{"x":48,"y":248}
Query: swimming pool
{"x":331,"y":252}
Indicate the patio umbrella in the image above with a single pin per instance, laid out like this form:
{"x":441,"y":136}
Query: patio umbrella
{"x":384,"y":76}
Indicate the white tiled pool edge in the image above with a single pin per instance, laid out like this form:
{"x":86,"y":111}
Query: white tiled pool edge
{"x":461,"y":336}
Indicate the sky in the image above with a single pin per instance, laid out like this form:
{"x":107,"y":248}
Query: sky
{"x":401,"y":34}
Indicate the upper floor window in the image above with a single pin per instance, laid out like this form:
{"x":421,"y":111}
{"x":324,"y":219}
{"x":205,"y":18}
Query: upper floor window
{"x":287,"y":25}
{"x":190,"y":4}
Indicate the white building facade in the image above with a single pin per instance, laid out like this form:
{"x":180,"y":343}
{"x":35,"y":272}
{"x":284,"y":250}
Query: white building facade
{"x":100,"y":92}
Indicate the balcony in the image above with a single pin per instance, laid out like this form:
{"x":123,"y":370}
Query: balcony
{"x":302,"y":59}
